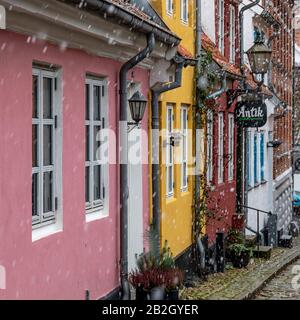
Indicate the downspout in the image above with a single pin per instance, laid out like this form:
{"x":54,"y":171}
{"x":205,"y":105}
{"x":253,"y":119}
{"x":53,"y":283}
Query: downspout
{"x":198,"y":122}
{"x":156,"y":92}
{"x":223,"y":88}
{"x":123,"y":136}
{"x":242,"y":197}
{"x":241,"y":22}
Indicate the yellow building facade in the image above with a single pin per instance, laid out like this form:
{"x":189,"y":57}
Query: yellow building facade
{"x":176,"y":115}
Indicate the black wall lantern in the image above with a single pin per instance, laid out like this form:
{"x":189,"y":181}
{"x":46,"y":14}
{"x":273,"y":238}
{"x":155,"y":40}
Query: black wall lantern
{"x":259,"y":56}
{"x":137,"y":105}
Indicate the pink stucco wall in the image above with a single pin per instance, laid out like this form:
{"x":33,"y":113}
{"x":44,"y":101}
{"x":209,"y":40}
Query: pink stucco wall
{"x":85,"y":255}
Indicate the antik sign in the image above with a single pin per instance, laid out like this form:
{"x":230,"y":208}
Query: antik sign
{"x":251,"y":114}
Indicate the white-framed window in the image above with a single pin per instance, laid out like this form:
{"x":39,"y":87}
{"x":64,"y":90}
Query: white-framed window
{"x":230,"y":146}
{"x":249,"y":158}
{"x":169,"y":151}
{"x":95,"y":167}
{"x":184,"y":12}
{"x":169,"y":5}
{"x":221,"y":26}
{"x":262,"y":156}
{"x":232,"y":31}
{"x":210,"y":144}
{"x":45,"y":190}
{"x":255,"y":159}
{"x":220,"y":147}
{"x":184,"y":148}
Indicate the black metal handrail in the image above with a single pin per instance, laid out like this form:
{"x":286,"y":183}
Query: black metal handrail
{"x":258,"y":211}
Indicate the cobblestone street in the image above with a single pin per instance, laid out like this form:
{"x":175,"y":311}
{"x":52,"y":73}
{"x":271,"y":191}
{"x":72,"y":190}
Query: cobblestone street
{"x":281,"y":288}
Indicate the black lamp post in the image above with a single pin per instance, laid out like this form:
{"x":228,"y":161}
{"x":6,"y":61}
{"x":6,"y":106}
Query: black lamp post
{"x":137,"y":105}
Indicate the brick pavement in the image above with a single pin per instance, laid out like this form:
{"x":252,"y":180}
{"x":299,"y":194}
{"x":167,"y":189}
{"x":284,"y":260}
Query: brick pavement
{"x":239,"y":284}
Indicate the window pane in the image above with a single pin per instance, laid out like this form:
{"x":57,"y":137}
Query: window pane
{"x":97,"y":183}
{"x":169,"y":121}
{"x":48,"y":192}
{"x":34,"y":96}
{"x":184,"y":182}
{"x":34,"y":145}
{"x":47,"y":97}
{"x":184,"y":148}
{"x":170,"y":179}
{"x":47,"y":145}
{"x":35,"y":194}
{"x":87,"y":143}
{"x":87,"y":102}
{"x":97,"y":103}
{"x":96,"y":142}
{"x":184,"y":120}
{"x":87,"y":184}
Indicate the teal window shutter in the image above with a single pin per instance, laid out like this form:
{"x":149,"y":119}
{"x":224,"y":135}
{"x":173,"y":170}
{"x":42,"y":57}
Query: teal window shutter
{"x":262,"y":156}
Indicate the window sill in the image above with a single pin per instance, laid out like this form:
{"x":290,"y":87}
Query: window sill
{"x":170,"y":14}
{"x":184,"y":22}
{"x":44,"y":231}
{"x":95,"y":214}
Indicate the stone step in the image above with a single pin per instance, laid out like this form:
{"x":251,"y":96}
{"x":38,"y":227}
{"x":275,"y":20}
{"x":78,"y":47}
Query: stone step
{"x":251,"y":240}
{"x":262,"y":252}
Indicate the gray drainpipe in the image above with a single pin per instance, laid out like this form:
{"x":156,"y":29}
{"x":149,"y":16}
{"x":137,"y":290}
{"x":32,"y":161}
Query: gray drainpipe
{"x":242,"y":196}
{"x":155,"y":147}
{"x":198,"y":45}
{"x":241,"y":21}
{"x":124,"y":192}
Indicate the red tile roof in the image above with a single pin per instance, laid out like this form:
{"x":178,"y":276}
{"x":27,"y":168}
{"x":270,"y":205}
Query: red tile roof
{"x":134,"y":10}
{"x":217,"y":56}
{"x":184,"y":52}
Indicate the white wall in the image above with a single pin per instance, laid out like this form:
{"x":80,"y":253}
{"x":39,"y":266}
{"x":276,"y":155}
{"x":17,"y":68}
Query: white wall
{"x":208,"y":19}
{"x":260,"y":196}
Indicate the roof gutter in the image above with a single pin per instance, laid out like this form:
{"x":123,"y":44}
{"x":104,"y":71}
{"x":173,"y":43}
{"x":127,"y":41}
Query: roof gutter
{"x":134,"y":21}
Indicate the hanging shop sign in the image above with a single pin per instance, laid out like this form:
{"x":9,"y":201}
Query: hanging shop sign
{"x":251,"y":114}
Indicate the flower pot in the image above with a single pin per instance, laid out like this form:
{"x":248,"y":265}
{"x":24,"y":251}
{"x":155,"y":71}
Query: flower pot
{"x":240,"y":261}
{"x":141,"y":294}
{"x":172,"y":295}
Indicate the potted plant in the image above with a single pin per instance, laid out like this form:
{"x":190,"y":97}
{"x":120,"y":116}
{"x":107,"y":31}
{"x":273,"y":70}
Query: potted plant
{"x":156,"y":273}
{"x":240,"y":255}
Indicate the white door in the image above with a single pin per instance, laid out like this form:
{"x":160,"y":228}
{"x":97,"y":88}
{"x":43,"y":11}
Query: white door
{"x":135,"y":203}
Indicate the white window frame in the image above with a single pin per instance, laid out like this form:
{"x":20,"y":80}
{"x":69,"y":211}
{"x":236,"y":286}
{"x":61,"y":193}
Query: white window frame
{"x":232,"y":32}
{"x":221,"y":26}
{"x":169,"y":7}
{"x":230,"y":146}
{"x":184,"y":153}
{"x":48,"y":217}
{"x":220,"y":147}
{"x":184,"y":11}
{"x":169,"y":150}
{"x":51,"y":222}
{"x":210,"y":144}
{"x":96,"y":209}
